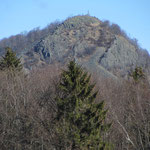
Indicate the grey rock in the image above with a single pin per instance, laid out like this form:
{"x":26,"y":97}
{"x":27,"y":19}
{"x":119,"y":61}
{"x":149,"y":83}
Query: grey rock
{"x":90,"y":43}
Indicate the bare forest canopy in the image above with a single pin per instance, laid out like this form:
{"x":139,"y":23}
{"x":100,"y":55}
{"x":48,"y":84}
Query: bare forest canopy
{"x":28,"y":107}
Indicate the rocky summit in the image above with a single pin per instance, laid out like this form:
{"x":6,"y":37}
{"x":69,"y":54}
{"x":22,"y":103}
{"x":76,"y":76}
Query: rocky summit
{"x":97,"y":45}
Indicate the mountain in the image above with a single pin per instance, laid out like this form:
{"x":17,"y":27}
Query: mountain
{"x":97,"y":45}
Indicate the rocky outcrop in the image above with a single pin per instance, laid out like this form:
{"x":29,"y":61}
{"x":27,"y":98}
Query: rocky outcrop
{"x":92,"y":44}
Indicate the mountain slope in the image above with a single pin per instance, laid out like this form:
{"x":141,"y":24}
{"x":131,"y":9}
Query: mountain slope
{"x":96,"y":45}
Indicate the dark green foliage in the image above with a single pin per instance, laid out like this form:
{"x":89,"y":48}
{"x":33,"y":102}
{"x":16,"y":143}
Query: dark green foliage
{"x":138,"y":74}
{"x":10,"y":61}
{"x":81,"y":121}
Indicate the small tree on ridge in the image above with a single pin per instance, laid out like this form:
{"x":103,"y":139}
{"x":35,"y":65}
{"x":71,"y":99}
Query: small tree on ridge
{"x":10,"y":61}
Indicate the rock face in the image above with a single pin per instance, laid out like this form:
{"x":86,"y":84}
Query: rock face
{"x":92,"y":44}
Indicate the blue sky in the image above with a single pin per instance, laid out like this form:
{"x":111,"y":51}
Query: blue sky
{"x":133,"y":16}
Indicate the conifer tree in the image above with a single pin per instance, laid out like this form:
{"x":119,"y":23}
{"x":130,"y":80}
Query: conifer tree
{"x":81,"y":121}
{"x":138,"y":74}
{"x":10,"y":61}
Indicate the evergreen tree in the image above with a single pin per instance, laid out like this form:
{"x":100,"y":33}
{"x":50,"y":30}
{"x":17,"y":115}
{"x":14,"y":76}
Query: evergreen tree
{"x":138,"y":74}
{"x":10,"y":61}
{"x":81,"y":121}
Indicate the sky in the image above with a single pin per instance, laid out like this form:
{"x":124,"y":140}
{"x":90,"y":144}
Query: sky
{"x":133,"y":16}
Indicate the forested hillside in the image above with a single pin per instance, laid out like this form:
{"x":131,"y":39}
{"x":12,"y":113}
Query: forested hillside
{"x":31,"y":106}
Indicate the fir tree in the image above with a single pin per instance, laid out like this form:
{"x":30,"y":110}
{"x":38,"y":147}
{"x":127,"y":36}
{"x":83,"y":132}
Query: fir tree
{"x":138,"y":74}
{"x":10,"y":61}
{"x":81,"y":121}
